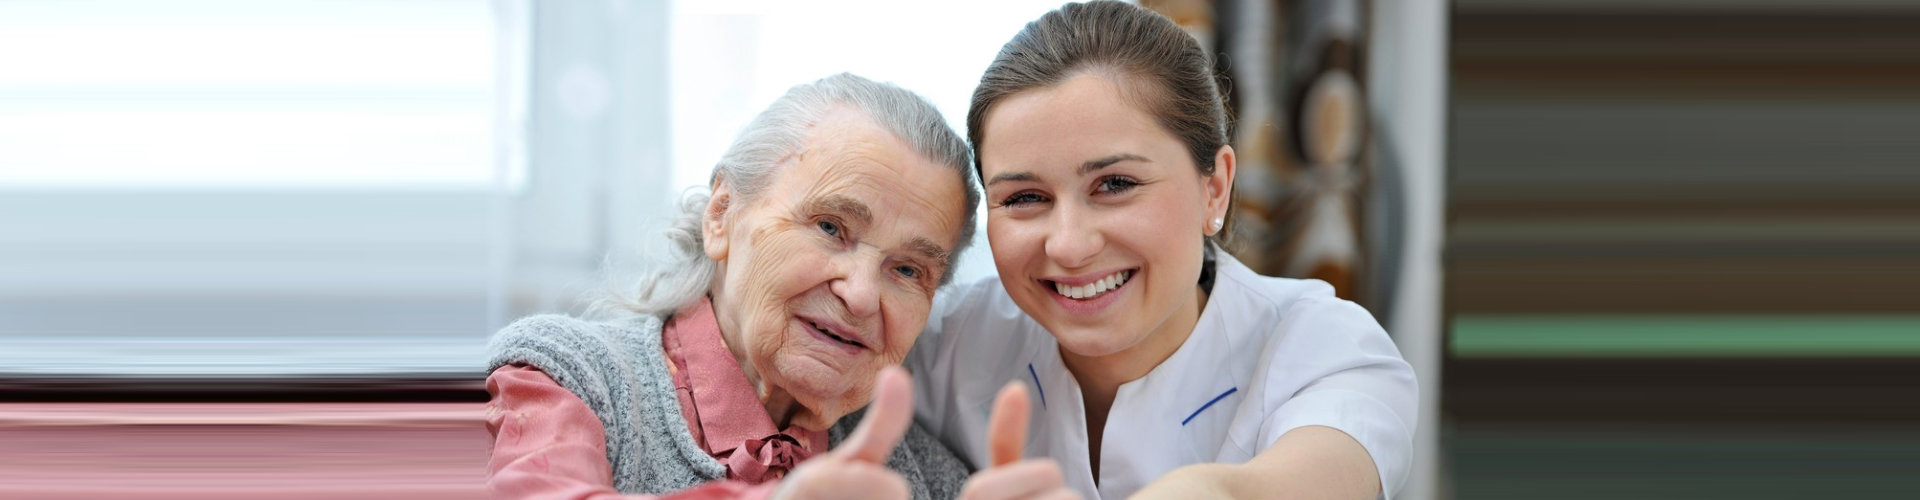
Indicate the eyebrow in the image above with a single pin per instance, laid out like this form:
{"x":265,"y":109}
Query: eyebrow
{"x":1089,"y":166}
{"x":930,"y":250}
{"x":1092,"y":165}
{"x":1013,"y":177}
{"x":844,"y":206}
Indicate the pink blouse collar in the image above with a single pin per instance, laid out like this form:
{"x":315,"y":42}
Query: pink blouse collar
{"x":725,"y":414}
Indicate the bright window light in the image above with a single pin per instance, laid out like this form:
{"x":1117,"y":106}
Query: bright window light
{"x":733,"y":57}
{"x":246,"y":94}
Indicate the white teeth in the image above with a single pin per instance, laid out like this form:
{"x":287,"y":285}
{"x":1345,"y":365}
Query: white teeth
{"x":1095,"y":289}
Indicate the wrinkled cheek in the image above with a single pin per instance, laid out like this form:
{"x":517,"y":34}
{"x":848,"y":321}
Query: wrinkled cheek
{"x":779,"y":267}
{"x":769,"y":337}
{"x":899,"y":343}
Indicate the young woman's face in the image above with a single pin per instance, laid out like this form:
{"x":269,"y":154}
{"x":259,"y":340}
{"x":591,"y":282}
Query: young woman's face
{"x":1097,"y":215}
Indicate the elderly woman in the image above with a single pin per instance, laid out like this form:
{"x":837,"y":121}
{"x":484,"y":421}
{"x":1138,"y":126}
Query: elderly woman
{"x":808,"y":270}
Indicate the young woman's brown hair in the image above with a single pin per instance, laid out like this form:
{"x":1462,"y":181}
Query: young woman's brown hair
{"x":1161,"y":66}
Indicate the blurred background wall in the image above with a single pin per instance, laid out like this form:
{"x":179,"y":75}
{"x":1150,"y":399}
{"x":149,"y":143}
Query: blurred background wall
{"x":1682,"y":244}
{"x":1677,"y":239}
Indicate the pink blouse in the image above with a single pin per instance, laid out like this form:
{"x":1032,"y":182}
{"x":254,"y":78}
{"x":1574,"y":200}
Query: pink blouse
{"x":548,"y":444}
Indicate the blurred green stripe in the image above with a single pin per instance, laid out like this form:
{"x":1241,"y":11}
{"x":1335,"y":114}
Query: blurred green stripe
{"x":1644,"y":335}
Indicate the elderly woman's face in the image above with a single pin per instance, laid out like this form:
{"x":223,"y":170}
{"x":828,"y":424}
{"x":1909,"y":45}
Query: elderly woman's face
{"x":827,"y":275}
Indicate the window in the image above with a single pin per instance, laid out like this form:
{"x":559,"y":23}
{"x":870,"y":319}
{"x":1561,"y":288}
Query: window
{"x":186,"y":95}
{"x":200,"y":187}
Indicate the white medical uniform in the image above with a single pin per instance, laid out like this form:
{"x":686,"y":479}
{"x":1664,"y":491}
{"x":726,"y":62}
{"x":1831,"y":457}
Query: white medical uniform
{"x":1268,"y":355}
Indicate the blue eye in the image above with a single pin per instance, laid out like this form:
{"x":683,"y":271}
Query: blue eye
{"x":908,"y":271}
{"x":1115,"y":185}
{"x":827,"y":226}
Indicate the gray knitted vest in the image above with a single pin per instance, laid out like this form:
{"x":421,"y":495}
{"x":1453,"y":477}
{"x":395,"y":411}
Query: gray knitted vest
{"x":620,"y":370}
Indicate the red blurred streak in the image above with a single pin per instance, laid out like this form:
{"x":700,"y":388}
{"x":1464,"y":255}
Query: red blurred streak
{"x":221,"y":451}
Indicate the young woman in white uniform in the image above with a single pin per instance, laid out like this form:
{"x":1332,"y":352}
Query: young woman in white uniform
{"x":1157,"y":364}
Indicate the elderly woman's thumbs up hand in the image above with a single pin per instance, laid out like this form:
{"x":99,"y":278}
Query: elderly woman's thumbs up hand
{"x":857,"y":468}
{"x":1010,"y":477}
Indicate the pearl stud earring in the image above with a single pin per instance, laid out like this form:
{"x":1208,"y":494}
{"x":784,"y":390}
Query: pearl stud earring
{"x":1218,"y":222}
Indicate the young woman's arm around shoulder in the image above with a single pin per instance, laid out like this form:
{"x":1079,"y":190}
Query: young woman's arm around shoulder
{"x":1308,"y":462}
{"x":1340,"y":421}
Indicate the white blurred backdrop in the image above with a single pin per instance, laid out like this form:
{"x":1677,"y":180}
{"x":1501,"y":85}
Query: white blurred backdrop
{"x":371,"y":187}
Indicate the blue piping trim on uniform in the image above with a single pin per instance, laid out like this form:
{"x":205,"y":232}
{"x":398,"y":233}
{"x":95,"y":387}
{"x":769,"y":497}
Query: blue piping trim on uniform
{"x":1216,"y":399}
{"x":1036,"y":386}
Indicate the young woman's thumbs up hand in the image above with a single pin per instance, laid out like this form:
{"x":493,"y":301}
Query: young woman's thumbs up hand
{"x":1009,"y":477}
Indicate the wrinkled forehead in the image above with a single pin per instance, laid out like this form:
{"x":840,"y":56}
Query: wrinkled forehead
{"x":846,"y":148}
{"x":854,"y":165}
{"x":918,"y":198}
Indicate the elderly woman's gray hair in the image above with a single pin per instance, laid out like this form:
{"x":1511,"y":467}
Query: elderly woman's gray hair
{"x":780,"y":132}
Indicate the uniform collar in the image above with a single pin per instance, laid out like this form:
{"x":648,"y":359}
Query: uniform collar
{"x":1172,"y":410}
{"x":1190,"y":378}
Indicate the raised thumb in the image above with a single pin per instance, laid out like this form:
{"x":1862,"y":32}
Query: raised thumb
{"x":886,"y":421}
{"x":1007,"y":428}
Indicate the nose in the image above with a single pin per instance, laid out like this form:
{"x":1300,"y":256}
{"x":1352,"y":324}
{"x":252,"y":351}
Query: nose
{"x":1073,"y":240}
{"x":859,"y":284}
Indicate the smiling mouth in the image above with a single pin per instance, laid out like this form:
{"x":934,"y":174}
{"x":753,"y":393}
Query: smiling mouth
{"x":829,"y":333}
{"x":1095,"y":289}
